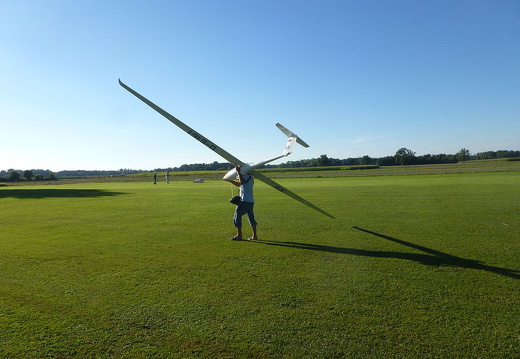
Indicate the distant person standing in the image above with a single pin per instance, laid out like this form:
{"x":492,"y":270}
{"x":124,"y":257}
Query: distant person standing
{"x":168,"y":177}
{"x":155,"y":178}
{"x":245,"y":206}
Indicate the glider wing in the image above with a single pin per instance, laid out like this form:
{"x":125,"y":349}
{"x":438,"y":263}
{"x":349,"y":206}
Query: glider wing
{"x":196,"y":135}
{"x":284,"y":190}
{"x":232,"y":159}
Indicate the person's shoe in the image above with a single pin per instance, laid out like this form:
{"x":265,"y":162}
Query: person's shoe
{"x":254,"y":239}
{"x":236,"y":238}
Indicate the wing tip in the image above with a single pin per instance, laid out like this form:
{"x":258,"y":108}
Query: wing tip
{"x":302,"y":142}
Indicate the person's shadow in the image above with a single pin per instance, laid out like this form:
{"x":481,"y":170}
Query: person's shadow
{"x":429,"y":256}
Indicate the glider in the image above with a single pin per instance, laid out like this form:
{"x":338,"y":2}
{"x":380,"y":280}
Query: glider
{"x":246,"y":168}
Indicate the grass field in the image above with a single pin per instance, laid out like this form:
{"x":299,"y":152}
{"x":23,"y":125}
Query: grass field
{"x":414,"y":266}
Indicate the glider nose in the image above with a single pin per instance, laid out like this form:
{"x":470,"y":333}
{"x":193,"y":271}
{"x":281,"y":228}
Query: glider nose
{"x":231,"y":175}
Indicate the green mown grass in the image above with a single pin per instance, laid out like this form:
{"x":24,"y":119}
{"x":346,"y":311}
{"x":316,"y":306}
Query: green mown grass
{"x":413,"y":266}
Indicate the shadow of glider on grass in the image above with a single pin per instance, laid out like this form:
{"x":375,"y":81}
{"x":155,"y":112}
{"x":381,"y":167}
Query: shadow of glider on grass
{"x":246,"y":168}
{"x":430,"y":257}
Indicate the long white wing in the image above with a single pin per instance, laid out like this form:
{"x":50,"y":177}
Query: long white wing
{"x":212,"y":146}
{"x":284,"y":190}
{"x":196,"y":135}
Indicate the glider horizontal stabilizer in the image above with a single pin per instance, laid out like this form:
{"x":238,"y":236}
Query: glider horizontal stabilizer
{"x":291,"y":134}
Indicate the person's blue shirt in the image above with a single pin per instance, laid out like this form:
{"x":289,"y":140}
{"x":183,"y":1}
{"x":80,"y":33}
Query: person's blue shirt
{"x":246,"y":189}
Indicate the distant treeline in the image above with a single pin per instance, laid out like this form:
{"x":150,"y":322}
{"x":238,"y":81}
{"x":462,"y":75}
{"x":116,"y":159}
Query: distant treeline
{"x":215,"y":166}
{"x":82,"y":173}
{"x":13,"y":175}
{"x":403,"y":156}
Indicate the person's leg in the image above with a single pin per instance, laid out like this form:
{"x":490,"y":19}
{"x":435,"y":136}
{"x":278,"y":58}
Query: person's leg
{"x":239,"y":234}
{"x":255,"y":235}
{"x":252,"y":221}
{"x":240,"y":210}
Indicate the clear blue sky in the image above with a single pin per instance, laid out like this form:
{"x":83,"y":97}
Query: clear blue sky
{"x":352,"y":78}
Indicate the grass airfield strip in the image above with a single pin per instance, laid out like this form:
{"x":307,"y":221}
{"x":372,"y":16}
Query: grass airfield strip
{"x":413,"y":266}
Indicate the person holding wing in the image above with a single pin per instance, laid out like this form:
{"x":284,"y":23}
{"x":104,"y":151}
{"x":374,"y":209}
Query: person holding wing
{"x":246,"y":204}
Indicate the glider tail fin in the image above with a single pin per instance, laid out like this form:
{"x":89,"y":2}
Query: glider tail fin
{"x":289,"y":147}
{"x":291,"y":134}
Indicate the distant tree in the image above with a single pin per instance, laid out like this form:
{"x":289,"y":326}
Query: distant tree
{"x":404,"y":156}
{"x":435,"y":159}
{"x":463,"y":155}
{"x":323,"y":160}
{"x":365,"y":160}
{"x":14,"y":176}
{"x":350,"y":161}
{"x":386,"y":161}
{"x":28,"y":175}
{"x":52,"y":176}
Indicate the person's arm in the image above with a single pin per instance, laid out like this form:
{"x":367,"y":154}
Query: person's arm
{"x":240,"y":177}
